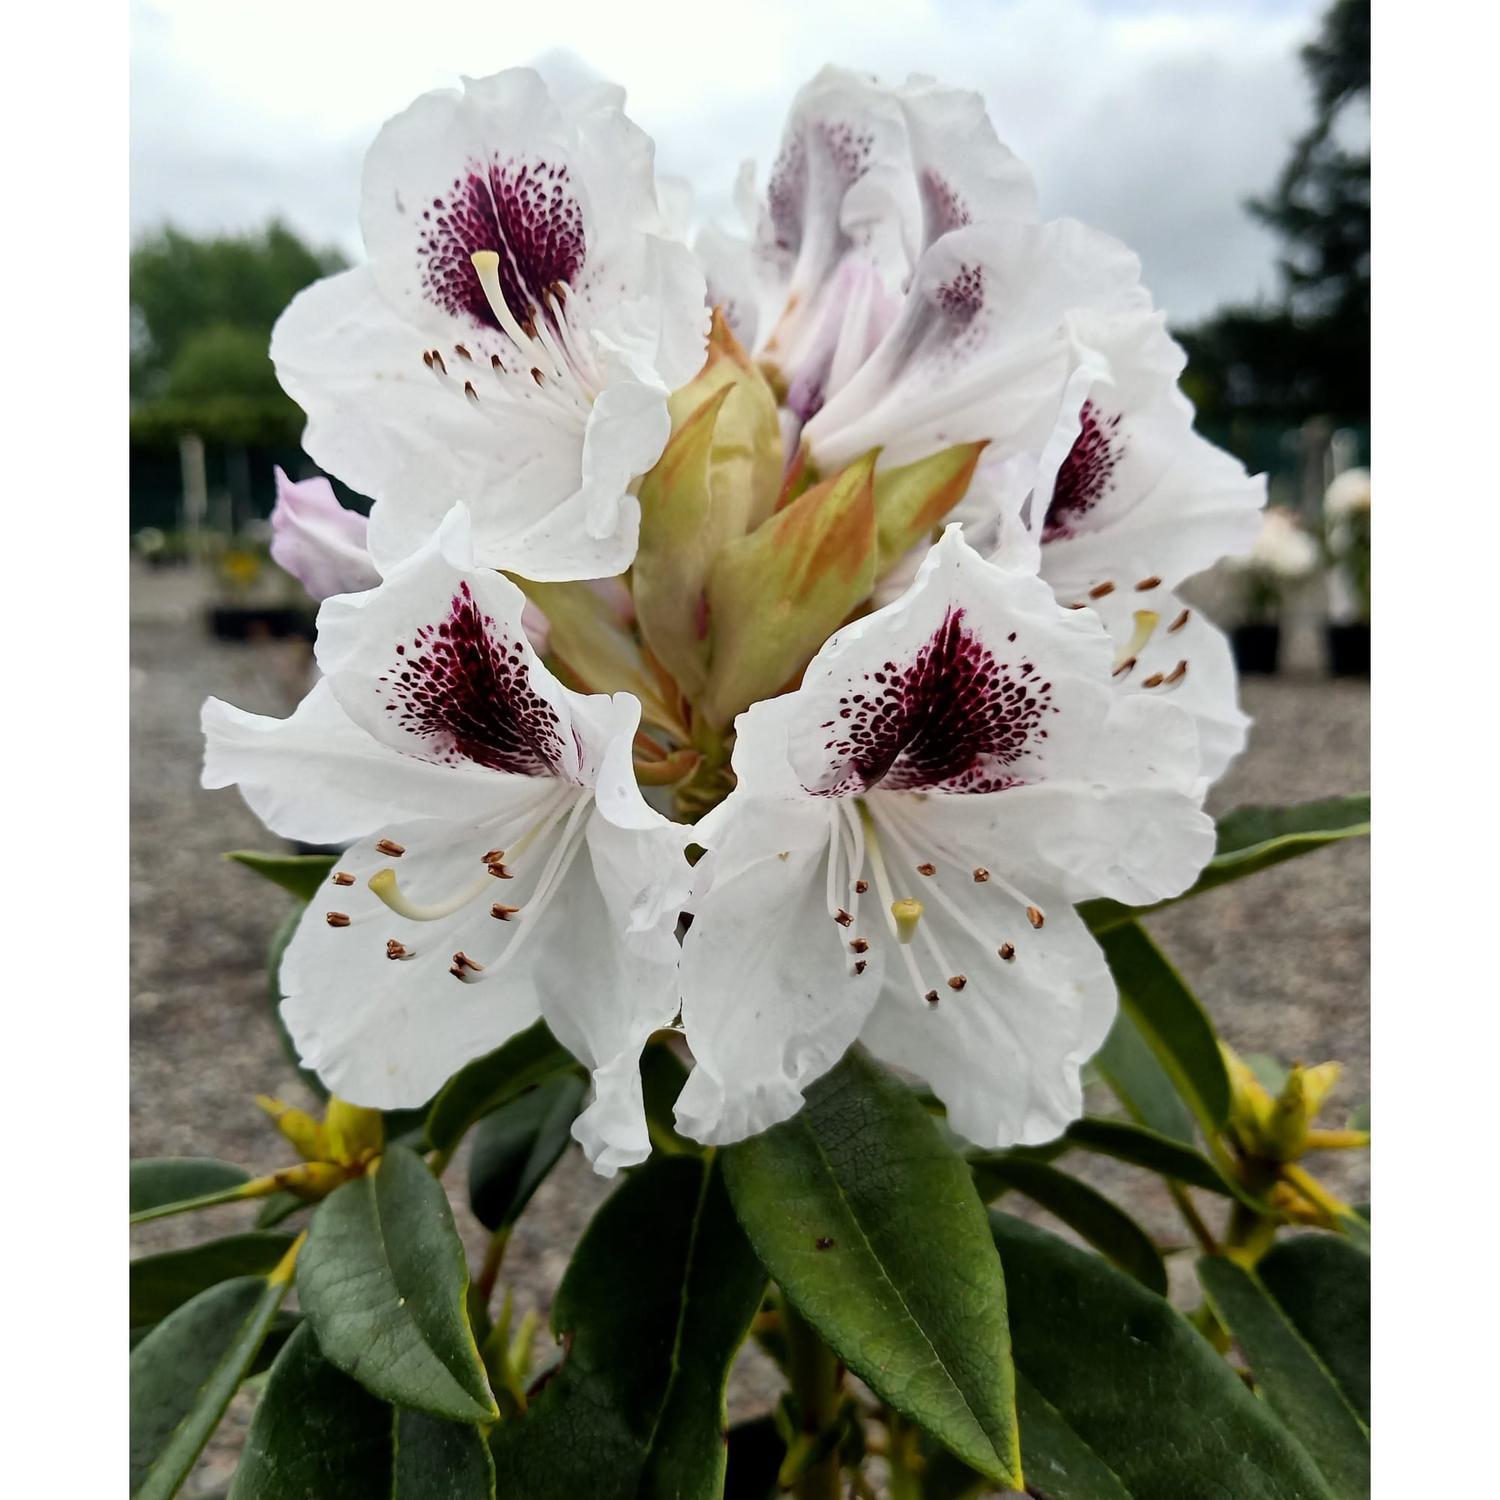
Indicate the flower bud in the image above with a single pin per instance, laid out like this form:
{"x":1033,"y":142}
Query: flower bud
{"x":318,"y":541}
{"x":352,"y":1133}
{"x":299,"y":1127}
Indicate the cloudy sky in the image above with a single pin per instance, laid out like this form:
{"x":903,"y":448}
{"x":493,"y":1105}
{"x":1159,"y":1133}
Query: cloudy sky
{"x":1153,"y":119}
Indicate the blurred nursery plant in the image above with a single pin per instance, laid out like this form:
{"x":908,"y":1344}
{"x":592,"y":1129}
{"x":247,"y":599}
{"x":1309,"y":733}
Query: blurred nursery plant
{"x":760,"y":777}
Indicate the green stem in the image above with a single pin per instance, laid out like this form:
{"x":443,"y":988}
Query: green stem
{"x":813,"y":1369}
{"x":901,"y":1457}
{"x":484,"y":1282}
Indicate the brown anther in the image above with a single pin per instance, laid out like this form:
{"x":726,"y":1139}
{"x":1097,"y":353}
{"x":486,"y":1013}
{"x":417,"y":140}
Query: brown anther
{"x":461,"y":960}
{"x":859,"y":945}
{"x":842,"y":917}
{"x":495,"y":363}
{"x":462,"y":353}
{"x":958,"y":981}
{"x":1007,"y":951}
{"x":861,"y":886}
{"x":859,"y":965}
{"x":926,"y":869}
{"x":1154,"y":680}
{"x":931,"y":997}
{"x":393,"y":949}
{"x":1128,"y":665}
{"x":536,"y":374}
{"x":456,"y":972}
{"x":1147,"y":584}
{"x":980,"y":875}
{"x":528,"y":323}
{"x":470,"y":392}
{"x":1079,"y":605}
{"x":390,"y":847}
{"x":1180,"y":621}
{"x":1034,"y":916}
{"x":499,"y":871}
{"x":342,"y":877}
{"x":436,"y":362}
{"x":338,"y":919}
{"x":493,"y":856}
{"x":1177,"y":673}
{"x":427,"y":358}
{"x":1099,"y":590}
{"x":556,"y":290}
{"x":503,"y":912}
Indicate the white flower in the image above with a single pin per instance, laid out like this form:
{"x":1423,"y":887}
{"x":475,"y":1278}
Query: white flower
{"x":1123,"y":501}
{"x":505,"y":865}
{"x":898,"y":862}
{"x":1347,"y":495}
{"x":318,"y":541}
{"x":867,"y":177}
{"x":513,"y":339}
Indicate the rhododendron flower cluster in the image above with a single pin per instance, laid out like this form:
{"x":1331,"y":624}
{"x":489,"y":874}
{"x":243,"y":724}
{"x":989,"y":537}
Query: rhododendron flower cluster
{"x":768,"y":641}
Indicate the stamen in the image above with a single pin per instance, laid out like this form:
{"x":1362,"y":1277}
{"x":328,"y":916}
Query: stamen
{"x":463,"y":353}
{"x":843,"y":918}
{"x":471,"y":393}
{"x":463,"y":961}
{"x":1154,"y":680}
{"x":907,"y":913}
{"x":342,"y":877}
{"x":393,"y":949}
{"x":1035,"y":916}
{"x":1147,"y":584}
{"x":1124,"y":668}
{"x":1180,"y":621}
{"x":861,"y":886}
{"x":926,"y":868}
{"x":499,"y":872}
{"x":859,"y":966}
{"x":493,"y":857}
{"x":338,"y":919}
{"x":1177,"y":673}
{"x":931,"y":997}
{"x":502,"y":912}
{"x":1007,"y":951}
{"x":883,"y":885}
{"x":1101,"y":590}
{"x":390,"y":847}
{"x":958,"y":981}
{"x":980,"y":875}
{"x":859,"y":945}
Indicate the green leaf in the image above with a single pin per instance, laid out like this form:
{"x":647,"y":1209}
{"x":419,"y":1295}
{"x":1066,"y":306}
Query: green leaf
{"x":869,"y":1221}
{"x":163,"y":1182}
{"x":184,"y":1372}
{"x":1121,"y":1397}
{"x":160,"y":1284}
{"x":517,"y":1145}
{"x":383,"y":1281}
{"x":1251,"y":839}
{"x":1295,"y":1383}
{"x":492,"y":1080}
{"x":1173,"y":1024}
{"x":317,"y":1435}
{"x":1108,"y":1228}
{"x":654,"y":1306}
{"x":301,"y":874}
{"x":662,"y":1077}
{"x":1130,"y":1069}
{"x":1323,"y":1285}
{"x":1143,"y":1147}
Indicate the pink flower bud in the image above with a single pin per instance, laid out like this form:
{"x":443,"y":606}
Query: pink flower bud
{"x":318,"y":541}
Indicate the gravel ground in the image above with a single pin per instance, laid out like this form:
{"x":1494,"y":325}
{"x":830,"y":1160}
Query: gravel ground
{"x":1281,"y":959}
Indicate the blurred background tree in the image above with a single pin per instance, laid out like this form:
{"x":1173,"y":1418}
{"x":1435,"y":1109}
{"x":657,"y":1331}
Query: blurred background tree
{"x":1307,"y":354}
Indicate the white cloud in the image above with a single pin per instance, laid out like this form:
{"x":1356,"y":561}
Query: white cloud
{"x":1149,"y":118}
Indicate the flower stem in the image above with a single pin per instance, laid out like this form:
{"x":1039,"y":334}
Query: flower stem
{"x":814,"y":1371}
{"x":484,"y":1282}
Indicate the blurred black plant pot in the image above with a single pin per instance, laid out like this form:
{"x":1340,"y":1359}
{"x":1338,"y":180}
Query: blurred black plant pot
{"x":1257,"y":649}
{"x":1349,"y":650}
{"x":230,"y":622}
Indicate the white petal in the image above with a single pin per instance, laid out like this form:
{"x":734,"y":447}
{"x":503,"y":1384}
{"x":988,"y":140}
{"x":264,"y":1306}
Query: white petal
{"x":770,"y":999}
{"x":1004,"y":1053}
{"x":725,"y":261}
{"x":320,"y":777}
{"x":981,"y":347}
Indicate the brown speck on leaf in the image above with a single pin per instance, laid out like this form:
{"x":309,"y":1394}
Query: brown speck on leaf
{"x":824,"y":1242}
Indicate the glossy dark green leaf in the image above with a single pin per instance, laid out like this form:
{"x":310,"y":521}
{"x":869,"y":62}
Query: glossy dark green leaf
{"x":1295,"y":1383}
{"x":653,"y":1308}
{"x":161,"y":1181}
{"x":516,"y":1146}
{"x":869,"y":1222}
{"x":160,"y":1284}
{"x":1130,"y":1070}
{"x":318,"y":1435}
{"x":383,"y":1281}
{"x":1120,"y":1396}
{"x":301,"y":874}
{"x":184,"y":1372}
{"x":1108,"y":1228}
{"x":1143,"y":1147}
{"x":277,"y":1208}
{"x":492,"y":1080}
{"x":663,"y":1074}
{"x":1323,"y":1285}
{"x":1170,"y":1019}
{"x":1252,"y":839}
